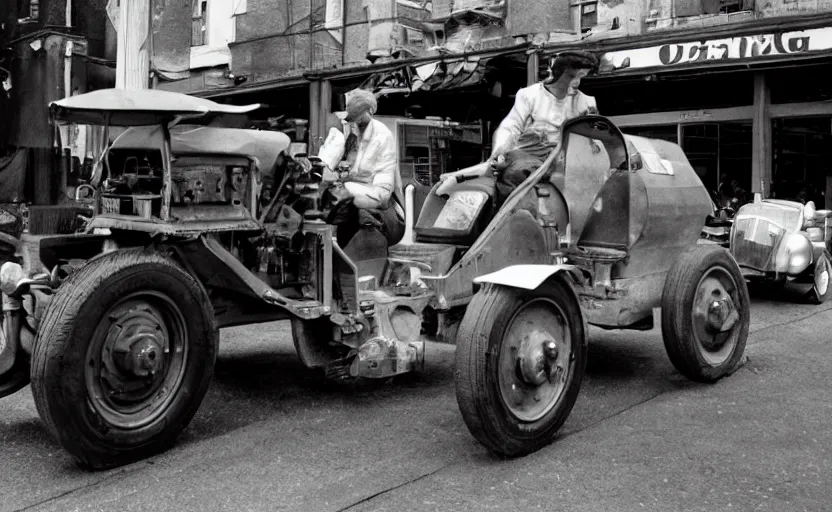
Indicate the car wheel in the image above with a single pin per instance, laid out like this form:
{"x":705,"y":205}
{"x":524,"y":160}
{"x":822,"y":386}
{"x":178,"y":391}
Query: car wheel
{"x":821,"y":289}
{"x":520,"y":361}
{"x":123,"y":357}
{"x":705,"y":314}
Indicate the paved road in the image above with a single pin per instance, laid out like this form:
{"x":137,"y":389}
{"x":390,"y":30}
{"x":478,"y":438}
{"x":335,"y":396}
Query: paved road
{"x":271,"y":437}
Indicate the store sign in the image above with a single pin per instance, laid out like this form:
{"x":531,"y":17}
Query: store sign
{"x":780,"y":44}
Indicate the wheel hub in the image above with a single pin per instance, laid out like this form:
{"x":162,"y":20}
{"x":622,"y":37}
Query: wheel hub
{"x":139,"y":346}
{"x":715,"y":315}
{"x":536,"y":359}
{"x":722,"y":315}
{"x":136,"y":360}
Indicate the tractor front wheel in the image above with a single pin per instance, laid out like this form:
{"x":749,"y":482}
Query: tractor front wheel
{"x":520,"y":361}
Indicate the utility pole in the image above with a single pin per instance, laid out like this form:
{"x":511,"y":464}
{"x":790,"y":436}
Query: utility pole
{"x":134,"y":40}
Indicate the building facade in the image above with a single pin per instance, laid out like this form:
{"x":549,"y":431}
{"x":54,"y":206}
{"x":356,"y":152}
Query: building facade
{"x":50,"y":49}
{"x":746,"y":100}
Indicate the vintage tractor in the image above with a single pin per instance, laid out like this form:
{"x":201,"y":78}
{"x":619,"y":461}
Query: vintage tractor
{"x":198,"y":228}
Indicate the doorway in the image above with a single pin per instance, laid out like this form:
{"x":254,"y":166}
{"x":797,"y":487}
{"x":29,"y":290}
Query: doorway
{"x":720,"y":153}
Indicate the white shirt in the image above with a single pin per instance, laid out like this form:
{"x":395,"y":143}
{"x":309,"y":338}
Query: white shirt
{"x":374,"y":176}
{"x":538,"y":110}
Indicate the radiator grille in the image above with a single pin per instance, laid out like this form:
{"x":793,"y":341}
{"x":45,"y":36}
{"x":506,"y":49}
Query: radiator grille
{"x":754,"y":243}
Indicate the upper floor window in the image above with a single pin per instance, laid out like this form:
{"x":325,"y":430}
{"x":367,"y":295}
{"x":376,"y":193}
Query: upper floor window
{"x":240,"y":8}
{"x":28,"y":9}
{"x":199,"y":22}
{"x":587,"y":15}
{"x":686,"y":8}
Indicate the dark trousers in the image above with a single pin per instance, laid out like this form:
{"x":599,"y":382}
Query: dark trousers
{"x":349,"y":219}
{"x":531,"y":151}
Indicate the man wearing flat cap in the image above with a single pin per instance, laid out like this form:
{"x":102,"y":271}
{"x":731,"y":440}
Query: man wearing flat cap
{"x":532,"y":129}
{"x":373,"y":181}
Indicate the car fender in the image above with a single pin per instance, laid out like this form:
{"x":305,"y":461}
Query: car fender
{"x":527,"y":277}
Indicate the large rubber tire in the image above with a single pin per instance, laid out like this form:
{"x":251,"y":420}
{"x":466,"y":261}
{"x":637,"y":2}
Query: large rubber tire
{"x":67,"y":365}
{"x":692,"y":274}
{"x":481,"y":340}
{"x":821,"y":276}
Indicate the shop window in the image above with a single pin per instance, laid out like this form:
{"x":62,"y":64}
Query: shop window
{"x":199,"y":22}
{"x":664,"y":93}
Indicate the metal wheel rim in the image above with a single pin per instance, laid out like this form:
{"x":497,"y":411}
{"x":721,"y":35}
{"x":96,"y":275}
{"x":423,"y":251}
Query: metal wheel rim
{"x":538,"y":321}
{"x":110,"y":386}
{"x":716,"y":279}
{"x":822,"y":278}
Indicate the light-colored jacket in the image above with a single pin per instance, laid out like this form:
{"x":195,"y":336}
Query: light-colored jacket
{"x":538,"y":110}
{"x":374,"y":175}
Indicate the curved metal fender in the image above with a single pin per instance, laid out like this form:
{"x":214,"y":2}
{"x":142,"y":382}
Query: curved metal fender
{"x":528,"y":277}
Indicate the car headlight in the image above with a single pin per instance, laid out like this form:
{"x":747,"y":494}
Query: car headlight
{"x":11,"y":274}
{"x":794,"y":254}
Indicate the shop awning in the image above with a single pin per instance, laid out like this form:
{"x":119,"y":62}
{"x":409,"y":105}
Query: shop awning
{"x":431,"y":76}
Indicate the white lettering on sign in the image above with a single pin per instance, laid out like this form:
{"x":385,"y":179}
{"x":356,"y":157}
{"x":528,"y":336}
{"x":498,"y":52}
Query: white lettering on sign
{"x":780,"y":44}
{"x":695,"y":115}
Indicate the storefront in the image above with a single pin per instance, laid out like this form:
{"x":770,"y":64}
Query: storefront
{"x":750,"y":105}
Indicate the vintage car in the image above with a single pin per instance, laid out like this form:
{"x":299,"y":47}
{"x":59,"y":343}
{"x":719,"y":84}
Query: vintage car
{"x":199,"y":228}
{"x":775,"y":241}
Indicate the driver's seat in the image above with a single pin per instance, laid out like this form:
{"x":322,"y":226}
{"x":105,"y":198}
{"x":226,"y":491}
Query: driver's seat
{"x":472,"y":208}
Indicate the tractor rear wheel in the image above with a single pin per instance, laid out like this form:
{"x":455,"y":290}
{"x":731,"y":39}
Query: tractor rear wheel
{"x":124,"y":357}
{"x":705,"y":314}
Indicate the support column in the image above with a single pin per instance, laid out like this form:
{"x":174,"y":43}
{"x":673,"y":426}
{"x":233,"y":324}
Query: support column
{"x":315,"y":120}
{"x":532,"y":68}
{"x":132,"y":52}
{"x":761,"y":138}
{"x":324,"y":110}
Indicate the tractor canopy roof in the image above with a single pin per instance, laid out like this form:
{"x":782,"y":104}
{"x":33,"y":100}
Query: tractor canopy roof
{"x":121,"y":107}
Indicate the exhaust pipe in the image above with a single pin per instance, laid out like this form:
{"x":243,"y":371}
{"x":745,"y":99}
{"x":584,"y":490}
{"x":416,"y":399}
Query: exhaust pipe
{"x":409,"y":221}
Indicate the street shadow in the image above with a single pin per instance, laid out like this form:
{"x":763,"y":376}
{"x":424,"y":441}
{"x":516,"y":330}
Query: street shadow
{"x":789,"y":293}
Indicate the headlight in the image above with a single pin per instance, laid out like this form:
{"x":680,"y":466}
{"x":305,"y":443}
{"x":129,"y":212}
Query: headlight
{"x":815,"y":234}
{"x":10,"y":275}
{"x":794,"y":254}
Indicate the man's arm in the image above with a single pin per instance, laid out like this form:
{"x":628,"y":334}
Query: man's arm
{"x":511,"y":127}
{"x":589,"y":106}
